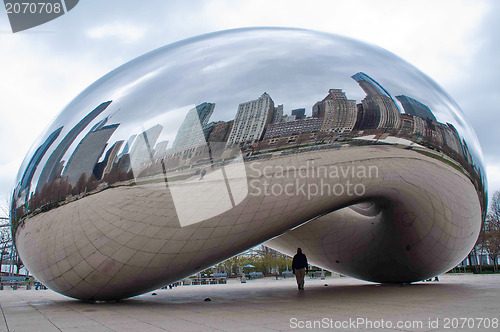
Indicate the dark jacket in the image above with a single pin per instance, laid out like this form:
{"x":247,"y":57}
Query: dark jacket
{"x":299,"y":262}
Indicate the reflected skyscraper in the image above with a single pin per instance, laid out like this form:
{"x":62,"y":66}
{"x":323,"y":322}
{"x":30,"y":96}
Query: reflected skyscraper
{"x":378,"y":104}
{"x":432,"y":133}
{"x":35,"y":160}
{"x":278,"y":114}
{"x":412,"y":125}
{"x":455,"y":137}
{"x":449,"y":139}
{"x":367,"y":119}
{"x":251,"y":120}
{"x":339,"y":112}
{"x":318,"y":110}
{"x":87,"y":153}
{"x":109,"y":161}
{"x":414,"y":107}
{"x":142,"y":149}
{"x":191,"y":130}
{"x":128,"y":144}
{"x":220,"y":131}
{"x":160,"y":149}
{"x":53,"y":165}
{"x":300,"y":113}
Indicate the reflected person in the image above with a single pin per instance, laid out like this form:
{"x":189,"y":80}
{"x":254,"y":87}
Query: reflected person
{"x":300,"y":268}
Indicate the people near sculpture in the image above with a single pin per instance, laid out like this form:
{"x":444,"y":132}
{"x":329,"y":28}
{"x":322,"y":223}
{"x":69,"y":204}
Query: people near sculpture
{"x":436,"y":278}
{"x":300,"y":267}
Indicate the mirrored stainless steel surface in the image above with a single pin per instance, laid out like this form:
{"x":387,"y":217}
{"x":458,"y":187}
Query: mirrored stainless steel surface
{"x":209,"y":146}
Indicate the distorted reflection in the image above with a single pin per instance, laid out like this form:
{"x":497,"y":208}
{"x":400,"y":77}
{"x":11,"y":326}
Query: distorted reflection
{"x":259,"y":128}
{"x":169,"y":150}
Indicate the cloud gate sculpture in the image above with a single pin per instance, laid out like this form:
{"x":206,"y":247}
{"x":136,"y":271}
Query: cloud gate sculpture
{"x":201,"y":149}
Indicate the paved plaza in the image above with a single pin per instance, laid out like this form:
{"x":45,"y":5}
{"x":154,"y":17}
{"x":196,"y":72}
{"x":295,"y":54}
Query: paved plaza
{"x":471,"y":301}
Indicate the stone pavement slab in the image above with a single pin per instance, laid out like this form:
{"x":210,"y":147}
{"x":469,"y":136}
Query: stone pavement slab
{"x":457,"y":302}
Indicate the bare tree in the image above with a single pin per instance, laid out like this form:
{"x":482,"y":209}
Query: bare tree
{"x":492,"y":241}
{"x":494,"y":211}
{"x":7,"y":248}
{"x":491,"y":231}
{"x":5,"y":236}
{"x":5,"y":206}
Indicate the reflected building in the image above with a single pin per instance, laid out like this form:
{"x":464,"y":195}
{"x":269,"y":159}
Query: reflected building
{"x":191,"y":131}
{"x":128,"y":144}
{"x":432,"y":134}
{"x":53,"y":166}
{"x":288,"y":118}
{"x":418,"y":126}
{"x":25,"y":184}
{"x":251,"y":121}
{"x":450,"y":139}
{"x":87,"y":153}
{"x":104,"y":167}
{"x":284,"y":129}
{"x":123,"y":165}
{"x":220,"y":131}
{"x":368,"y":118}
{"x":455,"y":138}
{"x":466,"y":152}
{"x":160,"y":149}
{"x":317,"y":110}
{"x":299,"y":113}
{"x":377,"y":105}
{"x":406,"y":124}
{"x":414,"y":107}
{"x":142,"y":149}
{"x":412,"y":125}
{"x":338,"y":113}
{"x":206,"y":130}
{"x":278,"y":114}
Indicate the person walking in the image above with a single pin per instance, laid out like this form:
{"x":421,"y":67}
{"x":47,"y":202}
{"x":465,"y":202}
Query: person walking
{"x":300,"y":268}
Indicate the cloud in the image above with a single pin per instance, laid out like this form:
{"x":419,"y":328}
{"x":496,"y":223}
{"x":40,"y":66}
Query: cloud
{"x":477,"y":90}
{"x":426,"y":33}
{"x":125,"y":33}
{"x":36,"y":84}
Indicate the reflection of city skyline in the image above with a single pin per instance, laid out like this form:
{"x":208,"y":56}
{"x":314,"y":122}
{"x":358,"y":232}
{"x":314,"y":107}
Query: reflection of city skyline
{"x":53,"y":166}
{"x":259,"y":126}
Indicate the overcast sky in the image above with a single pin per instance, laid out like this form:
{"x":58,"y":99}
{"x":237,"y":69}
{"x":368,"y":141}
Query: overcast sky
{"x":455,"y":42}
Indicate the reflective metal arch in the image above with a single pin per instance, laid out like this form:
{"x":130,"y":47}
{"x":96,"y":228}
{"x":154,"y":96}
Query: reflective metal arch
{"x":206,"y":147}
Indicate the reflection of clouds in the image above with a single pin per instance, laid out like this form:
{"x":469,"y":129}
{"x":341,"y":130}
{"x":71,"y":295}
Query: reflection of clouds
{"x":128,"y":88}
{"x":295,"y":67}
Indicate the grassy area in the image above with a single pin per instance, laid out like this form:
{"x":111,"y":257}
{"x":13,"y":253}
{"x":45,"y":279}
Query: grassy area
{"x":440,"y":158}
